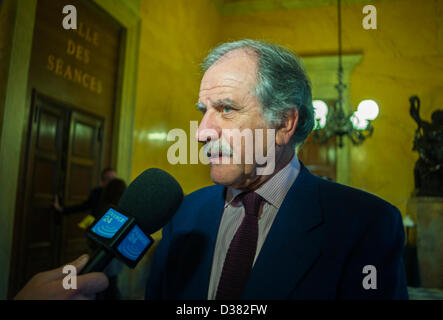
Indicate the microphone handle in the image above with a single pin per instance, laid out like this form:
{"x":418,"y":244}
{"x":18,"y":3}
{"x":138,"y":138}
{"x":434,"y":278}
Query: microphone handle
{"x":98,"y":262}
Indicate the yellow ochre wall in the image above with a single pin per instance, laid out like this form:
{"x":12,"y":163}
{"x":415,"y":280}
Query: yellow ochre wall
{"x":175,"y":36}
{"x":401,"y":58}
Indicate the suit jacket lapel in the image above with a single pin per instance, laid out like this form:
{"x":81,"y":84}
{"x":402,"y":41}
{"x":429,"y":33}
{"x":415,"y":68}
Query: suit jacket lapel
{"x":290,"y":247}
{"x":208,"y":224}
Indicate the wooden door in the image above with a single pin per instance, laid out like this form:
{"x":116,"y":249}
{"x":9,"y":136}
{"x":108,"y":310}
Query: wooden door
{"x":82,"y":172}
{"x":63,"y":157}
{"x":41,"y":225}
{"x":321,"y":160}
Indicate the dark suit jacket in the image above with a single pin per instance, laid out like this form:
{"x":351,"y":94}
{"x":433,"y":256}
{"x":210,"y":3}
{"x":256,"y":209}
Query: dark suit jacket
{"x":91,"y":204}
{"x":321,"y":239}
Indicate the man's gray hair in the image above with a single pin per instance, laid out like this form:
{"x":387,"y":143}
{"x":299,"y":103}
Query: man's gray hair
{"x":282,"y":84}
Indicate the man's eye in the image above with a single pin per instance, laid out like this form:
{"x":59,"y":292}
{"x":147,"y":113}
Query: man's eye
{"x":227,"y":109}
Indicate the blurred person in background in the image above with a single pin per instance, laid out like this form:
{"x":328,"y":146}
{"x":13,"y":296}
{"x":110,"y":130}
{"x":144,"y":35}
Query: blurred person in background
{"x":90,"y":204}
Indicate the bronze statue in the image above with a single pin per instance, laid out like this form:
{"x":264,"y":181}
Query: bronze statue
{"x":428,"y":142}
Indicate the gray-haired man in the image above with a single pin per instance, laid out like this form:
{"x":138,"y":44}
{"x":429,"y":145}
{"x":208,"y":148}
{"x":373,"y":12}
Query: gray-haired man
{"x":284,"y":235}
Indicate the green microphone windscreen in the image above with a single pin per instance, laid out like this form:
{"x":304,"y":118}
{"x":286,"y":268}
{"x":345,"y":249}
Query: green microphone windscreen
{"x":152,"y":199}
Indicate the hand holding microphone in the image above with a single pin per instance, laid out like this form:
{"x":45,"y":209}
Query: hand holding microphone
{"x":122,"y":232}
{"x":48,"y":285}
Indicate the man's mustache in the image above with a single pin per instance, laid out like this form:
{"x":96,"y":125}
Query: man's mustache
{"x":215,"y":148}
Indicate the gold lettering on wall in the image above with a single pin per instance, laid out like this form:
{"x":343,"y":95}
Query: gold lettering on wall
{"x":87,"y":34}
{"x":75,"y":48}
{"x":78,"y":51}
{"x":60,"y":68}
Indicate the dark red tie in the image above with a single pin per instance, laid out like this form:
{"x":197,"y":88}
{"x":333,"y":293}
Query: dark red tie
{"x":241,"y":253}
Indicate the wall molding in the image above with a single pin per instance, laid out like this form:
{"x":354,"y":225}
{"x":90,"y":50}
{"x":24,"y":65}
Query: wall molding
{"x":227,"y":7}
{"x":15,"y":104}
{"x":322,"y":70}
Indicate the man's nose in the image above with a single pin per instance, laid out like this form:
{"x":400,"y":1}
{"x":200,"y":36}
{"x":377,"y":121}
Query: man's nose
{"x":208,"y":129}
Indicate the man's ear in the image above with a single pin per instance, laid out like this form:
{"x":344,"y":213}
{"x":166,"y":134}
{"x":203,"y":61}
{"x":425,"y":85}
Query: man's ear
{"x":287,"y":128}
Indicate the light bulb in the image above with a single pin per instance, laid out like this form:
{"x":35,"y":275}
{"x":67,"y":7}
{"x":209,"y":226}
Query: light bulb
{"x":358,"y":122}
{"x":157,"y":136}
{"x":321,"y":111}
{"x":368,"y":110}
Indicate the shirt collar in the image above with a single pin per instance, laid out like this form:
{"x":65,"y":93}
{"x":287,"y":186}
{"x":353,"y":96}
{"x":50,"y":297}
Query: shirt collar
{"x":275,"y":189}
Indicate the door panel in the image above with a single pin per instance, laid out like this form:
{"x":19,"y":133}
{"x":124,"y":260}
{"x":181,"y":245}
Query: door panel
{"x":83,"y":139}
{"x":82,"y":177}
{"x":44,"y":163}
{"x":63,"y":157}
{"x":82,"y":170}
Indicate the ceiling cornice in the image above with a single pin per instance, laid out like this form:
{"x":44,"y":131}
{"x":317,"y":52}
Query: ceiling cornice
{"x":229,"y":7}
